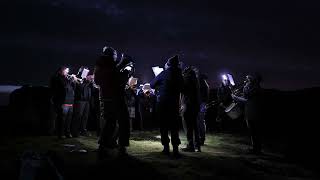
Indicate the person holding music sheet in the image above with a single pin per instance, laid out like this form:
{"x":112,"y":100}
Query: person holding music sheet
{"x":190,"y":106}
{"x":224,"y":99}
{"x":251,"y":98}
{"x":114,"y":110}
{"x":169,"y":86}
{"x":62,"y":87}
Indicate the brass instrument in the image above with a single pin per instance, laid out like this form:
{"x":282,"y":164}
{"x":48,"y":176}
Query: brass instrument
{"x":74,"y":78}
{"x":211,"y":104}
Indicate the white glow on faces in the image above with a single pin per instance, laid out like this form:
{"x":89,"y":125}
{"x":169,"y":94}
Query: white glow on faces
{"x":66,"y":71}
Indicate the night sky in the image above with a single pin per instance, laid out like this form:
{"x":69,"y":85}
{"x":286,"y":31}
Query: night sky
{"x":278,"y":39}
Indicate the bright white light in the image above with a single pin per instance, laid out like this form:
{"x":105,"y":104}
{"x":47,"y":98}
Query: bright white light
{"x":224,"y":77}
{"x":67,"y":70}
{"x":231,"y":79}
{"x":129,"y":68}
{"x":84,"y":73}
{"x":157,"y":70}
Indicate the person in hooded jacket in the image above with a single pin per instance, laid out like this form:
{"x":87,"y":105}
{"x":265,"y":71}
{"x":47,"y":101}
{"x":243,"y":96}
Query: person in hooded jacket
{"x":169,"y":85}
{"x":116,"y":130}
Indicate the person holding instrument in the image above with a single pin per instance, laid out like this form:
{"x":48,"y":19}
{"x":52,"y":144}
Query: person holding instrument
{"x":116,"y":130}
{"x":62,"y":88}
{"x":251,"y":99}
{"x":223,"y":99}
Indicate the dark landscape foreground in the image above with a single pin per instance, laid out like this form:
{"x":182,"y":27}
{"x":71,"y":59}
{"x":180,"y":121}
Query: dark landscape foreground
{"x":223,"y":157}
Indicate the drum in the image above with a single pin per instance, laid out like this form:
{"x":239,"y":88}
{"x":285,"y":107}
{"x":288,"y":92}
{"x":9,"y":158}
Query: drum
{"x":234,"y":111}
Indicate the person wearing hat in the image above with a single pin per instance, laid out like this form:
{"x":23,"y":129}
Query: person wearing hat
{"x":113,"y":106}
{"x":251,"y":99}
{"x":169,"y":85}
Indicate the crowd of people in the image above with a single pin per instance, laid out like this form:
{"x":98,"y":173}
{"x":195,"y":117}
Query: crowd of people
{"x":178,"y":94}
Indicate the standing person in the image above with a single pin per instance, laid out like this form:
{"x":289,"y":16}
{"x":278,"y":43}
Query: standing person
{"x":83,"y":94}
{"x":251,"y":99}
{"x":131,"y":102}
{"x":190,"y":106}
{"x":204,"y":98}
{"x":62,"y":86}
{"x":114,"y":110}
{"x":146,"y":108}
{"x":94,"y":113}
{"x":224,"y":99}
{"x":169,"y":85}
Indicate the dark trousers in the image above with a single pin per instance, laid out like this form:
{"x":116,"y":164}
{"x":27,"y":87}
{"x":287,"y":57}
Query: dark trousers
{"x":190,"y":126}
{"x":202,"y":122}
{"x":116,"y":124}
{"x":253,"y":128}
{"x":64,"y":118}
{"x":169,"y":121}
{"x":80,"y":118}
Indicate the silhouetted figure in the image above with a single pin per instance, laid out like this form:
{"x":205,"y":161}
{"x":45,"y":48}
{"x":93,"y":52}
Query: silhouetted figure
{"x":114,"y":110}
{"x":204,"y":98}
{"x":169,"y":86}
{"x":147,"y":109}
{"x":224,"y":99}
{"x":94,"y":115}
{"x":83,"y":94}
{"x":190,"y":106}
{"x":251,"y":98}
{"x":131,"y":103}
{"x":62,"y":87}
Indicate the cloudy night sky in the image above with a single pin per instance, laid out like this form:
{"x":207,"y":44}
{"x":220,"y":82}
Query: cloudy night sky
{"x":278,"y":39}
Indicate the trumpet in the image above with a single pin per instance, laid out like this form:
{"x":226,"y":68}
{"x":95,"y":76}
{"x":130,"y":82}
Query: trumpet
{"x":74,"y":78}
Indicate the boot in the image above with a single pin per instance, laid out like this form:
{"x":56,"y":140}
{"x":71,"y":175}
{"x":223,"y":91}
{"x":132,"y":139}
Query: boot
{"x":188,"y":148}
{"x":166,"y":150}
{"x":176,"y":153}
{"x":198,"y":149}
{"x":123,"y":151}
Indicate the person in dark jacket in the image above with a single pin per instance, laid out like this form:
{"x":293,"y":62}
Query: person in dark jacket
{"x":204,"y":98}
{"x":169,"y":86}
{"x":190,"y":106}
{"x":114,"y":110}
{"x":251,"y":99}
{"x":147,"y":108}
{"x":62,"y":88}
{"x":131,"y":103}
{"x":224,"y":99}
{"x":83,"y":94}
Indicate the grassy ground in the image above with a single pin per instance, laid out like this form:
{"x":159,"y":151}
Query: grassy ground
{"x":223,"y":157}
